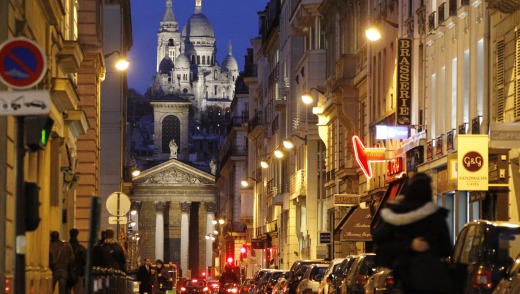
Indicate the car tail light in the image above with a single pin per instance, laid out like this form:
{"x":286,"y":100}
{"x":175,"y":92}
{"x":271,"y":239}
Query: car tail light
{"x":360,"y":279}
{"x":482,"y":278}
{"x":390,"y":282}
{"x":183,"y":289}
{"x":206,"y":289}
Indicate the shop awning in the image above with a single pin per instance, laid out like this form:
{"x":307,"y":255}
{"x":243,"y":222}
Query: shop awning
{"x":357,"y":226}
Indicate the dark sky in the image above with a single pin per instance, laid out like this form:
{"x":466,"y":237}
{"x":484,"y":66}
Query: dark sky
{"x":232,"y":20}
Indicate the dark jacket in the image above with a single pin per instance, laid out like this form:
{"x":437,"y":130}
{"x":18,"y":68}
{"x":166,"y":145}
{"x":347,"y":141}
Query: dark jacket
{"x":401,"y":223}
{"x":161,"y":277}
{"x":80,"y":256}
{"x":145,"y":278}
{"x":110,"y":255}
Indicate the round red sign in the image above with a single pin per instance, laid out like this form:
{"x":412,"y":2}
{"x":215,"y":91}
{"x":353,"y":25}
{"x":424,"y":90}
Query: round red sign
{"x":22,"y":63}
{"x":472,"y":161}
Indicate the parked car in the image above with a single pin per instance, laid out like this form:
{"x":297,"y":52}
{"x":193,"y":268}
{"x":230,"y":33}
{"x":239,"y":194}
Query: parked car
{"x":297,"y":271}
{"x":312,"y":278}
{"x":260,"y":285}
{"x":256,"y":279}
{"x":229,"y":288}
{"x":213,"y":286}
{"x":510,"y":283}
{"x":276,"y":274}
{"x":483,"y":252}
{"x":362,"y":268}
{"x":281,"y":284}
{"x":194,"y":286}
{"x":382,"y":282}
{"x":342,"y":273}
{"x":323,"y":288}
{"x":246,"y":286}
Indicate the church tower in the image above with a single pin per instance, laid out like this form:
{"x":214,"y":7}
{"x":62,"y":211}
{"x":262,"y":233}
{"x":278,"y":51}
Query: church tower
{"x":196,"y":91}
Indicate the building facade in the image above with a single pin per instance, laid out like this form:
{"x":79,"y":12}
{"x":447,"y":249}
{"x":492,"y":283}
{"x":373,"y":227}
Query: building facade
{"x":67,"y":169}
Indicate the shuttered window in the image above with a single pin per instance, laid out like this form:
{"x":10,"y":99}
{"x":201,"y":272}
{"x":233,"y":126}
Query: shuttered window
{"x":500,"y":81}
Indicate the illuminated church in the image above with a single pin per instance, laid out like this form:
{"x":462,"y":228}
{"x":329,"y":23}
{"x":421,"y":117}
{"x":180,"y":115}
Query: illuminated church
{"x":175,"y":193}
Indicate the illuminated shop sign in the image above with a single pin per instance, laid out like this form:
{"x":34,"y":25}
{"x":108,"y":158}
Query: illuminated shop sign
{"x":404,"y":81}
{"x":472,"y":163}
{"x":365,"y":156}
{"x":391,"y":132}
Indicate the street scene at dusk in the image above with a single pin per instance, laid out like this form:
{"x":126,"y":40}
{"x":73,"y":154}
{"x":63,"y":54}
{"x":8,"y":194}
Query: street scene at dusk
{"x":259,"y":146}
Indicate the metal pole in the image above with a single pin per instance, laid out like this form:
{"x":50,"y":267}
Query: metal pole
{"x":117,"y":216}
{"x":19,"y":266}
{"x":94,"y":228}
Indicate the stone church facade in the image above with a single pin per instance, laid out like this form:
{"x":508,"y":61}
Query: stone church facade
{"x":176,"y":208}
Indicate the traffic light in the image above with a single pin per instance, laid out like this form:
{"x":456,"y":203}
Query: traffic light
{"x":230,"y":260}
{"x":32,"y":204}
{"x":243,"y":253}
{"x":36,"y":131}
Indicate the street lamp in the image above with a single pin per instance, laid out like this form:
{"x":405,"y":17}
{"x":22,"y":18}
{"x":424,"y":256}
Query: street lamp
{"x":245,"y":182}
{"x":121,"y":63}
{"x":373,"y":33}
{"x":289,"y":144}
{"x":307,"y":97}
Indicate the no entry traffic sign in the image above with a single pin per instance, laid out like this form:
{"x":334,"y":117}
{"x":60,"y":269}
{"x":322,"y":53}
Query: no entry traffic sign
{"x":22,"y":63}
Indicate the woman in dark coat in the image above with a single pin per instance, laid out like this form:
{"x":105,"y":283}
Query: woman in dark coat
{"x":161,"y":277}
{"x":413,"y":238}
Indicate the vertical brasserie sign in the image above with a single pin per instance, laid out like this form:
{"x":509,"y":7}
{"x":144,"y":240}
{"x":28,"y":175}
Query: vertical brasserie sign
{"x":404,"y":81}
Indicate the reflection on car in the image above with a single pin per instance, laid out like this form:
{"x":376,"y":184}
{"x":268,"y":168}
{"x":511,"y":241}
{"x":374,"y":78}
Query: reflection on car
{"x":483,"y":252}
{"x":312,"y":278}
{"x":510,"y":283}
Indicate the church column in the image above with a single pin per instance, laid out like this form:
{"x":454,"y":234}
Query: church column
{"x":159,"y":229}
{"x":185,"y":235}
{"x":135,"y":210}
{"x":210,"y":228}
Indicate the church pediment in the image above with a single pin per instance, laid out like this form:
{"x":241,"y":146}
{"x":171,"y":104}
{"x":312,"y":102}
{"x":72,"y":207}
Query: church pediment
{"x":176,"y":173}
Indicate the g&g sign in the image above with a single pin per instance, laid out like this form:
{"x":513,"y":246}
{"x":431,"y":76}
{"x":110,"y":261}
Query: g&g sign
{"x":472,"y":165}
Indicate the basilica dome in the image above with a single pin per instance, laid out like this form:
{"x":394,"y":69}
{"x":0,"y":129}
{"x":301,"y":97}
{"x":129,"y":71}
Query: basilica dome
{"x":166,"y":65}
{"x":229,"y":63}
{"x":198,"y":25}
{"x":182,"y":61}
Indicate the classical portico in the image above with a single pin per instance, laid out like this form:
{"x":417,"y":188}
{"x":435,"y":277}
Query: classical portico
{"x":177,"y":209}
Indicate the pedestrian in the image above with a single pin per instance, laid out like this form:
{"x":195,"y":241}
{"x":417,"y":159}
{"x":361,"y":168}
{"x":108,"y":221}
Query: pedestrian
{"x":145,"y":277}
{"x":110,"y":253}
{"x":96,"y":250}
{"x":162,"y":281}
{"x":228,"y":276}
{"x":413,"y":238}
{"x":61,"y":259}
{"x":80,"y":258}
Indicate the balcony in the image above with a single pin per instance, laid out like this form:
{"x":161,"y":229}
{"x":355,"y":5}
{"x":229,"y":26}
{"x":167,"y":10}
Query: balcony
{"x":236,"y":122}
{"x":255,"y":121}
{"x":298,"y":184}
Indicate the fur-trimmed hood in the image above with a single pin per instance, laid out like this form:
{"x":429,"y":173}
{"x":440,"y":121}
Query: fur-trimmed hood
{"x":409,"y":217}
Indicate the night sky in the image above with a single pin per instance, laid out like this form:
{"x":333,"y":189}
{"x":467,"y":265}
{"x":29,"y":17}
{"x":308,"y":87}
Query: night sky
{"x":232,"y":20}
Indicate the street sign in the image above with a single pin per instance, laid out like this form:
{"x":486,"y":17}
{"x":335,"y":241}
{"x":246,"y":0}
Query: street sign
{"x":257,"y":244}
{"x":345,"y":199}
{"x":25,"y":103}
{"x":22,"y":63}
{"x":118,"y":203}
{"x":325,"y":237}
{"x":114,"y":220}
